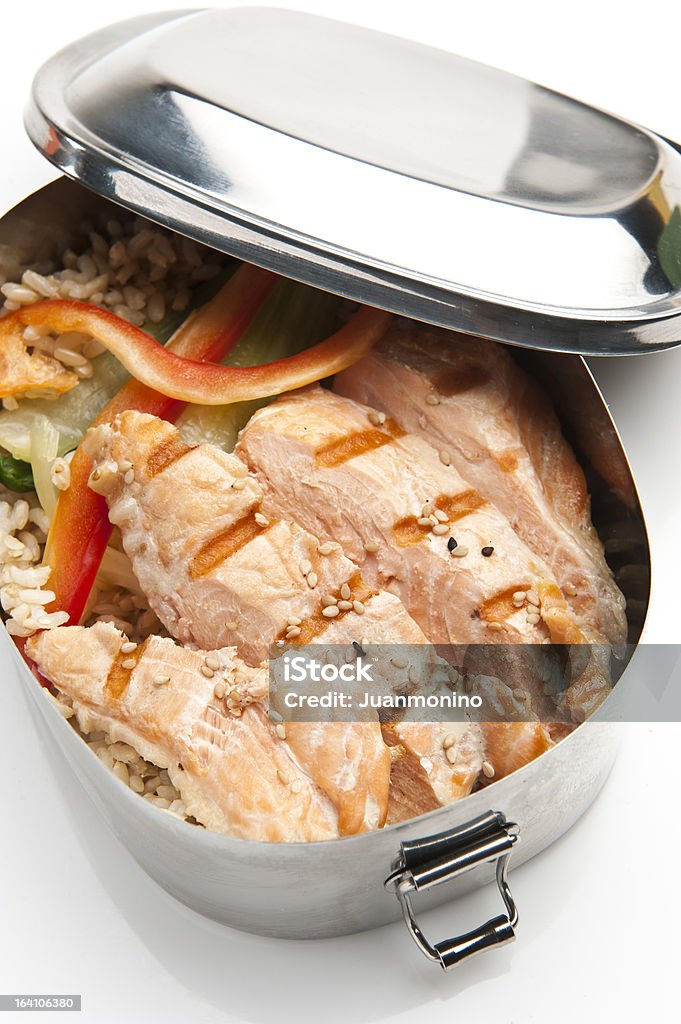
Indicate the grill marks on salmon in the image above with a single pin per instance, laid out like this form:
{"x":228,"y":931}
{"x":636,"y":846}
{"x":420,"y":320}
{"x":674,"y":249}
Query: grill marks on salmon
{"x":374,"y":504}
{"x":469,"y":397}
{"x":218,"y":549}
{"x":350,"y":446}
{"x":235,"y":775}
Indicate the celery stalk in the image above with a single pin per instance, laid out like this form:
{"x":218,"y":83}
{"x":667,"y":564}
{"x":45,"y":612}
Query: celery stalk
{"x":44,"y":441}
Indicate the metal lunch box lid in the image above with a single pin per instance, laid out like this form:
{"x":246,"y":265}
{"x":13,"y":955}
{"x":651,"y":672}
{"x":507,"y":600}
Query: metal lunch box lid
{"x":378,"y":168}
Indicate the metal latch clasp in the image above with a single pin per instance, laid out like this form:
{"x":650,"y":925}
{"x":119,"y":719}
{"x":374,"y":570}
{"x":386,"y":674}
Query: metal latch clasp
{"x":425,"y":863}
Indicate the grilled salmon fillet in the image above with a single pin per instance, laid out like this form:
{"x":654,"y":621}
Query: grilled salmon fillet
{"x":219,"y":569}
{"x":234,"y":773}
{"x":470,"y":400}
{"x":396,"y":510}
{"x":216,"y":569}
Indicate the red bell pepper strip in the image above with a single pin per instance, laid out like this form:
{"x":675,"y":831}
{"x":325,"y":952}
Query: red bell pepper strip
{"x":206,"y":383}
{"x":80,"y":529}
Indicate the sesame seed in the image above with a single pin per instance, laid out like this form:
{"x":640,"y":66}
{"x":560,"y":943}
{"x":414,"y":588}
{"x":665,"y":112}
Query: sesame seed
{"x":261,"y":520}
{"x":275,"y":715}
{"x":296,"y":786}
{"x":376,"y":418}
{"x":305,"y":567}
{"x":424,"y":521}
{"x":460,"y":551}
{"x":161,"y":680}
{"x":448,"y":741}
{"x":206,"y":671}
{"x":239,"y":484}
{"x":345,"y":592}
{"x":280,"y":730}
{"x":519,"y":596}
{"x":445,"y":457}
{"x":496,"y":627}
{"x":213,"y":661}
{"x":533,"y":597}
{"x":219,"y":690}
{"x":293,"y":620}
{"x":124,"y":465}
{"x":128,"y":647}
{"x":231,"y":625}
{"x":441,"y":529}
{"x":129,"y":476}
{"x":488,"y":770}
{"x":520,"y":694}
{"x":487,"y":551}
{"x":433,"y":519}
{"x":284,"y":777}
{"x":441,"y":516}
{"x":450,"y":753}
{"x":371,"y":547}
{"x":328,"y":600}
{"x":426,"y":510}
{"x":432,"y":399}
{"x":292,"y":632}
{"x":358,"y":607}
{"x":129,"y":663}
{"x":344,"y":606}
{"x":235,"y":696}
{"x":312,"y":580}
{"x":331,"y":611}
{"x":325,"y":549}
{"x":451,"y":544}
{"x":423,"y":422}
{"x":533,"y":619}
{"x":400,"y":662}
{"x":570,"y":589}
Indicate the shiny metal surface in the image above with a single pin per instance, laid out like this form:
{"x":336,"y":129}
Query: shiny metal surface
{"x":380,"y":169}
{"x":316,"y":890}
{"x":320,"y":889}
{"x":428,"y":862}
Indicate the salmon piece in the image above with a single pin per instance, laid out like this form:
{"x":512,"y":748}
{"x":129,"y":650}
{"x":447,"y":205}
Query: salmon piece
{"x":511,"y":745}
{"x":351,"y":764}
{"x":218,"y":571}
{"x":434,"y":764}
{"x":215,"y":568}
{"x":233,"y":772}
{"x":324,"y":463}
{"x":469,"y":398}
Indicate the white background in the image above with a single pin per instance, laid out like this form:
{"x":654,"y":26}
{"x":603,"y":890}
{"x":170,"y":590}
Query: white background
{"x":598,"y":938}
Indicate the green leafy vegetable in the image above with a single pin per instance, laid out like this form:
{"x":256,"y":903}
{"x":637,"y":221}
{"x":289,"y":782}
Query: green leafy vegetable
{"x":15,"y":474}
{"x":294,"y":317}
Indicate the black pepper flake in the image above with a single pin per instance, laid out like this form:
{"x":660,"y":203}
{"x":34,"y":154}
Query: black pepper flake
{"x":487,"y":551}
{"x":451,"y":544}
{"x":358,"y":647}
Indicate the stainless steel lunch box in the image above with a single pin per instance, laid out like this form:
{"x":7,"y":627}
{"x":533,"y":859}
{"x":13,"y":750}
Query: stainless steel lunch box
{"x":410,"y":183}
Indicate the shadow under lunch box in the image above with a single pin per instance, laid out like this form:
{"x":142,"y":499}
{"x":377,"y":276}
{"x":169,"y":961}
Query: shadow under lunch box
{"x":407,"y":178}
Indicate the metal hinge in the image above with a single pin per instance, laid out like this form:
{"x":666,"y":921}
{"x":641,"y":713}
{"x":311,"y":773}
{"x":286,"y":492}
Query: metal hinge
{"x":425,"y":863}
